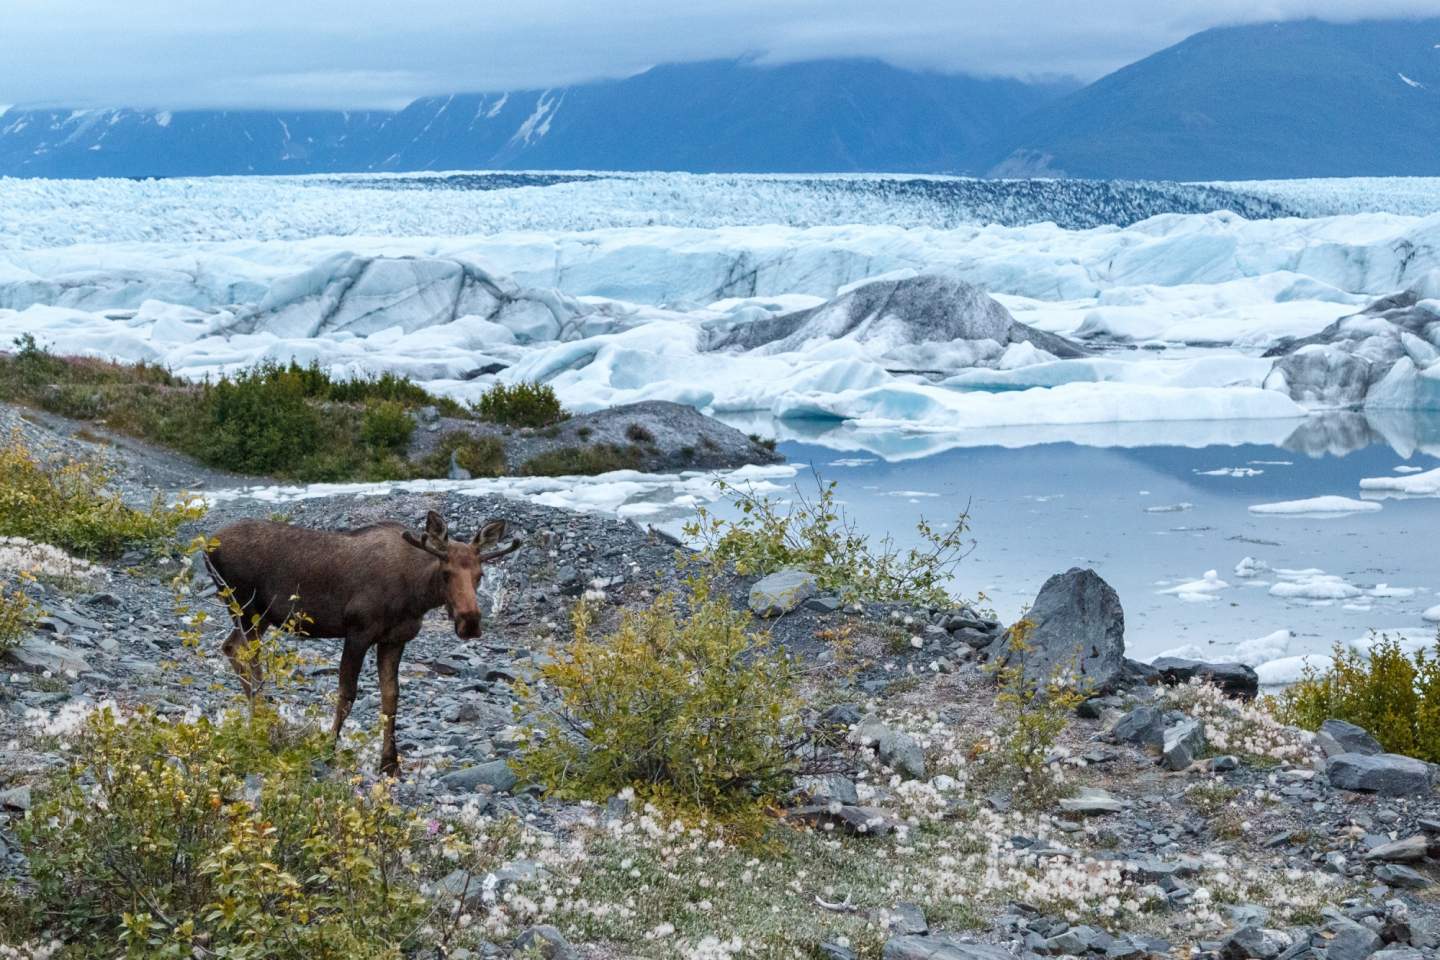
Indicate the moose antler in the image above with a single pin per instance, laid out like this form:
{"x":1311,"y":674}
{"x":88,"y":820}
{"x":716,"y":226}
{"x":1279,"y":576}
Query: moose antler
{"x":509,"y":548}
{"x":424,"y":543}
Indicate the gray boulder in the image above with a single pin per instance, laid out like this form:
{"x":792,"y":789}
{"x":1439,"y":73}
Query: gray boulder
{"x":895,"y":748}
{"x":1407,"y":850}
{"x":1337,"y":737}
{"x":40,"y":656}
{"x":1388,"y":774}
{"x":1235,"y":679}
{"x":918,"y":319}
{"x":1398,"y":875}
{"x":782,"y":592}
{"x":1078,"y":630}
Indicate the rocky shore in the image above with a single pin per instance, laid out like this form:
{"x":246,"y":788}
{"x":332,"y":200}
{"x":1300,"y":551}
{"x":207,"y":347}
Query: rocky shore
{"x":1191,"y":824}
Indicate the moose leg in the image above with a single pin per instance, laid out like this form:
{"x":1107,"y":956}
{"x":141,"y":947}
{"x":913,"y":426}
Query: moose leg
{"x":352,"y":658}
{"x":246,"y":668}
{"x":387,"y":661}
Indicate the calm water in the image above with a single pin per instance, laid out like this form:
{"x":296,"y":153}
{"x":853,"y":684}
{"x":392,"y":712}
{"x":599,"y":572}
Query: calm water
{"x":1140,"y":506}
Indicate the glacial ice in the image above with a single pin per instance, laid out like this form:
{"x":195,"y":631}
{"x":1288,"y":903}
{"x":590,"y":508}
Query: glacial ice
{"x":1316,"y":507}
{"x":1199,"y":591}
{"x":1426,"y":484}
{"x":1261,"y":650}
{"x":1287,"y":670}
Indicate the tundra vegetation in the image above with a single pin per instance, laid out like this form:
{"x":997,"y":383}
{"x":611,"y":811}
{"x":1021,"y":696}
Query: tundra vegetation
{"x":294,"y":422}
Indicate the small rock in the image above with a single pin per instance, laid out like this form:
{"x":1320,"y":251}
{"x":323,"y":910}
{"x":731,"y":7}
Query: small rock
{"x":906,"y":918}
{"x":782,"y":592}
{"x":898,"y":750}
{"x":1092,"y":800}
{"x":41,"y":656}
{"x":853,"y":820}
{"x":17,"y":798}
{"x":1255,"y":942}
{"x":1183,"y":742}
{"x":1144,"y":726}
{"x":548,"y":941}
{"x":496,"y":774}
{"x":829,"y":786}
{"x":943,"y":946}
{"x":833,"y":951}
{"x":823,"y":603}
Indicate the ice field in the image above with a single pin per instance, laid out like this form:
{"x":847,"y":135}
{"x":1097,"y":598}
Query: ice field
{"x":966,"y":333}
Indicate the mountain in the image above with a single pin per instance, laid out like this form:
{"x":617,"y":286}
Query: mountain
{"x":1293,"y":99}
{"x":718,"y":116}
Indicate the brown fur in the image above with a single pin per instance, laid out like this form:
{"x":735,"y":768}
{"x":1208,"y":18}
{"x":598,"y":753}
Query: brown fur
{"x":371,"y":586}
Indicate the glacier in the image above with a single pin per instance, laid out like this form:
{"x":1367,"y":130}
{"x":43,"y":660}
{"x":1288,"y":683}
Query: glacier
{"x":1166,"y":319}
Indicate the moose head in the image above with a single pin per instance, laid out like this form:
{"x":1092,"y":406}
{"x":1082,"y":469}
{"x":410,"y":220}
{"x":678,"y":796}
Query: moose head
{"x":462,"y":564}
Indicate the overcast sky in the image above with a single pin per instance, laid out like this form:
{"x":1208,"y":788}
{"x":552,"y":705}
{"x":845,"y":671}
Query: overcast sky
{"x":383,"y":53}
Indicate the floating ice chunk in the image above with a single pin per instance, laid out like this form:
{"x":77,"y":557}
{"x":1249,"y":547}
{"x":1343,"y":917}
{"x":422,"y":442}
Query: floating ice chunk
{"x":1408,"y":469}
{"x":1231,"y":472}
{"x":1264,"y":649}
{"x":1426,"y":484}
{"x":1169,"y":507}
{"x":1249,"y":568}
{"x":1290,"y":669}
{"x":1316,"y":506}
{"x":1433,"y":614}
{"x":1385,"y":590}
{"x":1199,"y":591}
{"x":1313,"y":585}
{"x":851,"y":462}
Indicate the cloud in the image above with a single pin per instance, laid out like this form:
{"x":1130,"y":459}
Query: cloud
{"x":373,"y":54}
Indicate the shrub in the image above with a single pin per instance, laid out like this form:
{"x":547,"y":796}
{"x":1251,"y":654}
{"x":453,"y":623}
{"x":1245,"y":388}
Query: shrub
{"x":68,"y":505}
{"x":639,"y":433}
{"x":386,"y":425}
{"x":17,"y":614}
{"x":584,"y":461}
{"x":816,"y":535}
{"x":1393,"y":695}
{"x":524,"y":404}
{"x":218,"y":838}
{"x":261,"y":421}
{"x":482,"y":456}
{"x":687,"y":708}
{"x":1030,"y":719}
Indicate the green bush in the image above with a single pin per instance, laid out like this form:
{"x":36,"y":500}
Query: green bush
{"x":815,"y":534}
{"x":524,"y":404}
{"x":260,"y":421}
{"x":387,"y":425}
{"x":584,"y":461}
{"x":17,"y":614}
{"x":69,"y":505}
{"x":482,"y":456}
{"x":1393,"y":695}
{"x":219,"y":838}
{"x":684,"y":706}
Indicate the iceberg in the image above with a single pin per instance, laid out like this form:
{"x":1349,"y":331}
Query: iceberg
{"x":1316,"y":506}
{"x":1426,"y":484}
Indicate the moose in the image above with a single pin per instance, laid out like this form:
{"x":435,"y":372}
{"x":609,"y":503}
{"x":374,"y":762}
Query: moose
{"x":371,"y":586}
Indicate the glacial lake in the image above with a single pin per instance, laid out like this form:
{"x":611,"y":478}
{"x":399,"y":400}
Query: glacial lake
{"x":1154,"y":507}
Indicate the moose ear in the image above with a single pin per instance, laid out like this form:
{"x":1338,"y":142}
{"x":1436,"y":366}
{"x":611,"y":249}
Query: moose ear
{"x":435,"y":526}
{"x":490,"y":533}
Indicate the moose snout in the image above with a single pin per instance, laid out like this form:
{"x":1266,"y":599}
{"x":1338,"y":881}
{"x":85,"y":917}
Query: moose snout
{"x":467,"y":626}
